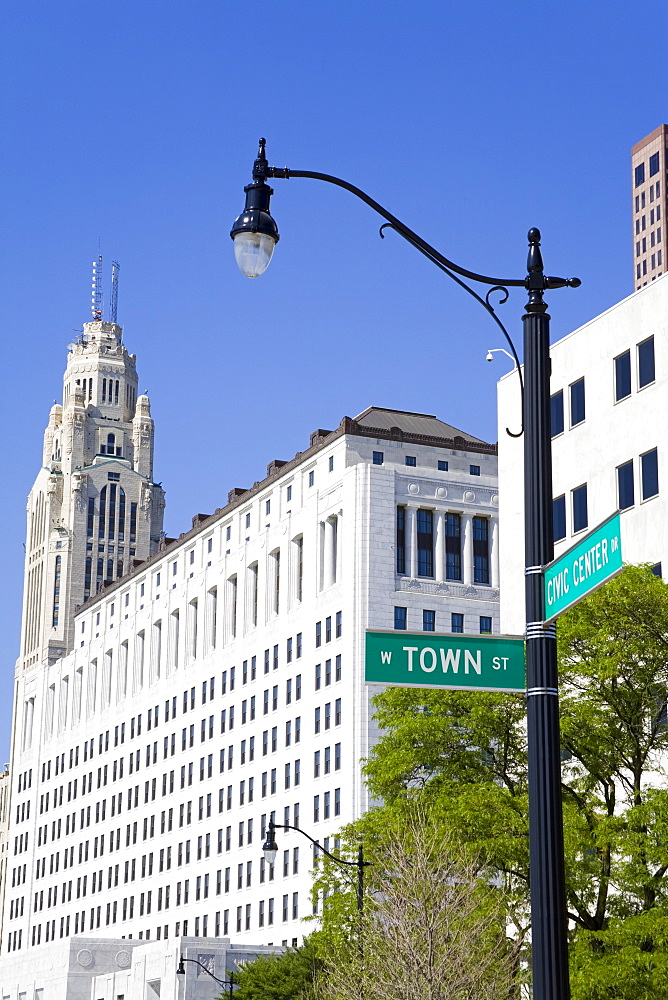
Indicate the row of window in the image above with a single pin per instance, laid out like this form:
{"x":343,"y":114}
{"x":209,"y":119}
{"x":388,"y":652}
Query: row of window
{"x":654,"y":167}
{"x":626,"y":492}
{"x":429,"y":621}
{"x":411,"y":461}
{"x":452,"y":524}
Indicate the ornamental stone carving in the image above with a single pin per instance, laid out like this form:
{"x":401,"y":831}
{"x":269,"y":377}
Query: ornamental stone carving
{"x":413,"y":488}
{"x":85,"y":958}
{"x":123,"y":959}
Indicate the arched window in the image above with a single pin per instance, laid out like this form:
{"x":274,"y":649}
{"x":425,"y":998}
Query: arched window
{"x":104,"y":389}
{"x":116,"y":393}
{"x":111,"y":444}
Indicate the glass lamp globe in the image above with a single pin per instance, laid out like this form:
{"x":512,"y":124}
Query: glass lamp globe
{"x":253,"y":252}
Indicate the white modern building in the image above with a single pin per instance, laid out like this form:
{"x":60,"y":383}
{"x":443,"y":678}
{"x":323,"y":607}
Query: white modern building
{"x":219,"y":682}
{"x":609,"y":390}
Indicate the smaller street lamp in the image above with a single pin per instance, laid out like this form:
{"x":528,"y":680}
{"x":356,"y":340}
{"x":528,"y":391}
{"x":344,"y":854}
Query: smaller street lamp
{"x":499,"y":350}
{"x":270,"y":850}
{"x":227,"y":983}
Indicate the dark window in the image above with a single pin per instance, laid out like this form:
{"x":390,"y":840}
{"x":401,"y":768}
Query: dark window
{"x":625,"y":490}
{"x":425,"y":542}
{"x":457,"y":622}
{"x":377,"y":458}
{"x":480,"y":550}
{"x":400,"y":618}
{"x":453,"y":547}
{"x":657,"y":569}
{"x":428,"y":621}
{"x":411,"y":460}
{"x":653,"y":164}
{"x":580,"y":519}
{"x":401,"y":540}
{"x":485,"y":625}
{"x":646,"y":362}
{"x":623,"y":376}
{"x":649,"y":474}
{"x":577,"y":402}
{"x":318,"y":633}
{"x":640,"y":174}
{"x":442,"y":466}
{"x":559,"y":518}
{"x":474,"y":470}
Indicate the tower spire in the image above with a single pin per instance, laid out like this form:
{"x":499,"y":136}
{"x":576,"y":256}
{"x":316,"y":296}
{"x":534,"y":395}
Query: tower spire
{"x":96,"y":290}
{"x":113,"y":303}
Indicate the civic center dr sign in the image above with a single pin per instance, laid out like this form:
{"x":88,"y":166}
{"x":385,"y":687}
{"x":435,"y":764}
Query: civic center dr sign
{"x":585,"y":567}
{"x":464,"y":662}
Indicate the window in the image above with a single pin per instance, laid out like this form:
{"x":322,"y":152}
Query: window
{"x":457,"y":622}
{"x":623,"y":376}
{"x":401,"y":540}
{"x":485,"y":625}
{"x":649,"y":474}
{"x":425,"y":542}
{"x":557,"y":413}
{"x":653,"y":164}
{"x":428,"y":621}
{"x":579,"y":500}
{"x":474,"y":470}
{"x":288,"y":494}
{"x":559,"y":518}
{"x":646,"y":362}
{"x":331,"y":463}
{"x":400,"y":618}
{"x":577,"y":391}
{"x":480,"y":550}
{"x":639,"y":174}
{"x":377,"y":458}
{"x":625,"y":488}
{"x":453,"y":547}
{"x":411,"y":460}
{"x":311,"y":478}
{"x":318,"y":634}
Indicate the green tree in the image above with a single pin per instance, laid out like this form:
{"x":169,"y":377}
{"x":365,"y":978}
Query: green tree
{"x":464,"y":755}
{"x":286,"y":976}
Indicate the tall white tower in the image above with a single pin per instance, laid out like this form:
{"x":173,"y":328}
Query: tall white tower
{"x":94,"y":510}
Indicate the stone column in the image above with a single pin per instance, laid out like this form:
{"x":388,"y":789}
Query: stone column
{"x":411,"y":542}
{"x":329,"y":555}
{"x":338,"y":568}
{"x":439,"y":543}
{"x":467,"y":549}
{"x":494,"y":551}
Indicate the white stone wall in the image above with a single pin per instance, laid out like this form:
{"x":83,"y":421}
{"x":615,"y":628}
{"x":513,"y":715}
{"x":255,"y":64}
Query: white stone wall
{"x":344,"y":507}
{"x":611,"y":434}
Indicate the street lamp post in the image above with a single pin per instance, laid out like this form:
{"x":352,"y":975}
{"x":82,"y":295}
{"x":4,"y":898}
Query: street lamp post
{"x":270,"y":849}
{"x":255,"y":235}
{"x":227,"y":983}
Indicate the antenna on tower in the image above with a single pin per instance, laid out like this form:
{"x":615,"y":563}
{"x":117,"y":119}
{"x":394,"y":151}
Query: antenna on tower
{"x":96,"y":290}
{"x":113,"y":306}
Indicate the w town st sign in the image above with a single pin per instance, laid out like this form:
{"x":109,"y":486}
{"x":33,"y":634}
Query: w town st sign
{"x":465,"y":663}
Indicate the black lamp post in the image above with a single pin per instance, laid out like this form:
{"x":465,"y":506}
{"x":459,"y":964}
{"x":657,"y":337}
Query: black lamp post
{"x":255,"y":235}
{"x":227,"y":983}
{"x":270,"y":849}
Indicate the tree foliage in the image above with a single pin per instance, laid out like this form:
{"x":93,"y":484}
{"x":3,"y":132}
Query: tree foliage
{"x":433,"y":926}
{"x":286,"y":976}
{"x":465,"y":755}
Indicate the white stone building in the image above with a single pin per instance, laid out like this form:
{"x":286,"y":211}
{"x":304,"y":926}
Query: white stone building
{"x":221,"y":682}
{"x":609,"y":389}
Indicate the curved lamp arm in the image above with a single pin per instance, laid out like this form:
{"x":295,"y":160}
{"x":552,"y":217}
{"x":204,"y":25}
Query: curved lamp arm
{"x":255,"y":231}
{"x":180,"y":971}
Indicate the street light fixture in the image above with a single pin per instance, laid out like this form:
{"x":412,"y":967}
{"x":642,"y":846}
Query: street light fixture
{"x":228,"y":983}
{"x":546,"y":836}
{"x":270,"y":850}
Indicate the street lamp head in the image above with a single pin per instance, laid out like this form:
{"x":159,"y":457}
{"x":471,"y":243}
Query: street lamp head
{"x":270,"y":847}
{"x":489,"y":356}
{"x":180,"y":971}
{"x":254,"y":232}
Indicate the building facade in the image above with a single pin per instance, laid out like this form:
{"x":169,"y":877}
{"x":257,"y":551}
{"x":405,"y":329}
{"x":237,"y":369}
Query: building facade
{"x":609,"y":388}
{"x":649,"y":175}
{"x":220,"y":683}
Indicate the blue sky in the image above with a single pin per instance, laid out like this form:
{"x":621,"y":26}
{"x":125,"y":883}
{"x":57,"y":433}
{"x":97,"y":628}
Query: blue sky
{"x":136,"y":123}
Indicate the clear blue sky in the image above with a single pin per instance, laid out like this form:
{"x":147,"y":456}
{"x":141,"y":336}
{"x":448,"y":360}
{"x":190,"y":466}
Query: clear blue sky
{"x":137,"y":123}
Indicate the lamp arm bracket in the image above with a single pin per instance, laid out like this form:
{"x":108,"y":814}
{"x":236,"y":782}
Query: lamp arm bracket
{"x":340,"y":861}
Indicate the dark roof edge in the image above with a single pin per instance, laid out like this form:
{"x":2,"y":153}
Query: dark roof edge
{"x":318,"y":441}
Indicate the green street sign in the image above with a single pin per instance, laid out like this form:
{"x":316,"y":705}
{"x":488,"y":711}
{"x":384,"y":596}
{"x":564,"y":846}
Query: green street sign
{"x":584,"y":568}
{"x":463,"y":662}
